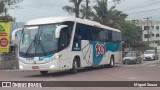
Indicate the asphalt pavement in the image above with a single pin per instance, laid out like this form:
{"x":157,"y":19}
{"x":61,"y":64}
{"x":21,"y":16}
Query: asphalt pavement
{"x":147,"y":71}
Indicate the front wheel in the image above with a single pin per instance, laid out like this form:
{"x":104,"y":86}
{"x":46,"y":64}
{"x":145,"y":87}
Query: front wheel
{"x":44,"y":72}
{"x":74,"y":67}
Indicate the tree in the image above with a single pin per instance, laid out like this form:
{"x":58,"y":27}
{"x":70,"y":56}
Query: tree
{"x":73,"y":9}
{"x":8,"y":4}
{"x":116,"y":1}
{"x":131,"y":33}
{"x":1,"y":7}
{"x":84,"y":10}
{"x":5,"y":5}
{"x":110,"y":17}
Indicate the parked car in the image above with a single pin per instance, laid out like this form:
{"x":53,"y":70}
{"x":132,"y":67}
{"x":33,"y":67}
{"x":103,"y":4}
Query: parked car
{"x":132,"y":57}
{"x":150,"y":55}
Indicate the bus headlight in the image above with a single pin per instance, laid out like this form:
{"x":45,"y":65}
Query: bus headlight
{"x":56,"y":56}
{"x":52,"y":66}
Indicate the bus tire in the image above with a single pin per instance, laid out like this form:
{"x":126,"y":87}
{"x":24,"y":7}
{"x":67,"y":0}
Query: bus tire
{"x":111,"y":62}
{"x":44,"y":72}
{"x":74,"y":69}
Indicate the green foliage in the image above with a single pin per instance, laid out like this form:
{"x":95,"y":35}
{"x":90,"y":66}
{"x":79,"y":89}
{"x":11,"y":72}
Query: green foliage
{"x":110,"y":17}
{"x":6,"y":19}
{"x":1,"y":7}
{"x":7,"y":4}
{"x":131,"y":33}
{"x":75,"y":9}
{"x":4,"y":6}
{"x":12,"y":2}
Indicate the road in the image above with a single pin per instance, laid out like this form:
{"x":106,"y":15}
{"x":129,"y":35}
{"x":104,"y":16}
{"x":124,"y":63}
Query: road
{"x":147,"y":71}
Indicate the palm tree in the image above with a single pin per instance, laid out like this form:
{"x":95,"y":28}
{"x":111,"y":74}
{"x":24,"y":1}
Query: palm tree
{"x":85,"y":11}
{"x":110,"y":17}
{"x":73,"y":9}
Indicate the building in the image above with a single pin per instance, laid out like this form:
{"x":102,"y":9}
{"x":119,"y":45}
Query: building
{"x":151,"y":32}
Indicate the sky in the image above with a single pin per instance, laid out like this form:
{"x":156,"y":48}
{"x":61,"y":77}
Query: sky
{"x":34,"y":9}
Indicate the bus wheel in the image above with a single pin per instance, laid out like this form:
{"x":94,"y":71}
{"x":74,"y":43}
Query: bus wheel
{"x":44,"y":72}
{"x":74,"y":67}
{"x":111,"y":62}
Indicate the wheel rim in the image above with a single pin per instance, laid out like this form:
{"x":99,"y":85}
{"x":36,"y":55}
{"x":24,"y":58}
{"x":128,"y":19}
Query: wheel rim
{"x":75,"y":65}
{"x":112,"y":63}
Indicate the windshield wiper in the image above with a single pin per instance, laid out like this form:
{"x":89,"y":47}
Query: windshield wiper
{"x":29,"y":48}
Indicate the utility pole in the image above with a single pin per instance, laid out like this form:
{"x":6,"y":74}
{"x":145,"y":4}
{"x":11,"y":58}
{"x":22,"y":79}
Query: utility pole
{"x":87,"y":8}
{"x":148,"y":36}
{"x":151,"y":30}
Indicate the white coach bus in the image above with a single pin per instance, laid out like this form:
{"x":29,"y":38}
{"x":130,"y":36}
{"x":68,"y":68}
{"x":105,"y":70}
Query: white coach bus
{"x":65,"y":43}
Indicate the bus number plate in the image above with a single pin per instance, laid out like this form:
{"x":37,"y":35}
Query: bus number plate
{"x":35,"y":67}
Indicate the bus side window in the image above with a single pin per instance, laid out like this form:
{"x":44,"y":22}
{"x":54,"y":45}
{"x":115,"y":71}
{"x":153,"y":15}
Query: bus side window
{"x":110,"y":35}
{"x":69,"y":29}
{"x":63,"y":41}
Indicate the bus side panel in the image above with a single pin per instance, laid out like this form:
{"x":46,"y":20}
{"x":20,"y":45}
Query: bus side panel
{"x":118,"y":57}
{"x":102,"y":52}
{"x":65,"y":59}
{"x":87,"y":53}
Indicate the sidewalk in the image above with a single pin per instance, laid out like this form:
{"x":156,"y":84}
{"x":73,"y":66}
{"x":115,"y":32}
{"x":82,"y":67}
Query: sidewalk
{"x":9,"y":62}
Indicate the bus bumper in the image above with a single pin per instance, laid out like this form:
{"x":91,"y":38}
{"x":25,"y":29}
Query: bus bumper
{"x":51,"y":66}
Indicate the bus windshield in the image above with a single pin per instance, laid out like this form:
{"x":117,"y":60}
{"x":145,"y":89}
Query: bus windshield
{"x":38,"y":40}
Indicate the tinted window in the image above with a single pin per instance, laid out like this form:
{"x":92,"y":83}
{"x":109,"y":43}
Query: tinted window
{"x":103,"y":34}
{"x":86,"y":32}
{"x":65,"y":35}
{"x":117,"y":37}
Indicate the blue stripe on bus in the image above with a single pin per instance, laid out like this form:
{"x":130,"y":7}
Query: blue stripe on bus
{"x":44,"y":57}
{"x":97,"y":58}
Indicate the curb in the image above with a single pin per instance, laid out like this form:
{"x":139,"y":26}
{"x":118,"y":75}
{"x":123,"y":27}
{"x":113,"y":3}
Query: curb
{"x":10,"y":70}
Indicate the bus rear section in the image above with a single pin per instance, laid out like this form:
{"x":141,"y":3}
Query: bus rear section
{"x":98,"y":45}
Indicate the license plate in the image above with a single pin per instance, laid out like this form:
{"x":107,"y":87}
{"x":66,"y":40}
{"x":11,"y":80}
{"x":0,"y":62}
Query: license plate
{"x":35,"y":67}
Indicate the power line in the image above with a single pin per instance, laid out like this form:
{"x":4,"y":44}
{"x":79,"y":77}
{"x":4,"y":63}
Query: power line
{"x":142,"y":7}
{"x":143,"y":11}
{"x":143,"y":4}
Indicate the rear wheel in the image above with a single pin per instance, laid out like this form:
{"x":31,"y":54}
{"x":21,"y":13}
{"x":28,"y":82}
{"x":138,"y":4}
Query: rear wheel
{"x":74,"y":66}
{"x":44,"y":72}
{"x":111,"y":62}
{"x":140,"y":61}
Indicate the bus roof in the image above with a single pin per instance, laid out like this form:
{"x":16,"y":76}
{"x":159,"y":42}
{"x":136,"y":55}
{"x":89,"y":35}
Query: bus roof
{"x":50,"y":20}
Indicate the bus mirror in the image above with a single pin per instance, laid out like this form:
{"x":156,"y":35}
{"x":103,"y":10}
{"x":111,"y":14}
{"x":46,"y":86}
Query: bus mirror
{"x":58,"y":30}
{"x":14,"y":33}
